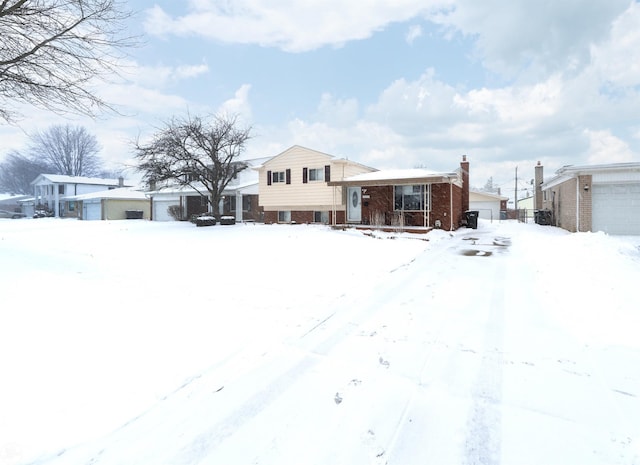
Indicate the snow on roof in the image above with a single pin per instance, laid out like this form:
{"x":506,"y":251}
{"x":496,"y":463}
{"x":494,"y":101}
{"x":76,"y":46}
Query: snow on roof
{"x":479,"y":193}
{"x":123,"y":193}
{"x":393,"y":174}
{"x":64,"y":179}
{"x":398,"y":176}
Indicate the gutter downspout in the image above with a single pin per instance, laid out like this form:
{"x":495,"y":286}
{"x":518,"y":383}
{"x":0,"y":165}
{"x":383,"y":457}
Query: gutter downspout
{"x":450,"y":205}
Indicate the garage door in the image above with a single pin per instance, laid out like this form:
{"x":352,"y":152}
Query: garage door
{"x":92,"y":211}
{"x":616,"y":208}
{"x":160,"y":207}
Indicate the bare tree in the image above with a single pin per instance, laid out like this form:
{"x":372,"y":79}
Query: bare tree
{"x":70,"y":150}
{"x":17,"y":171}
{"x":51,"y":51}
{"x":197,"y":153}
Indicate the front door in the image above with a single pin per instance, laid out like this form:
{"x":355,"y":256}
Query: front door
{"x":354,"y":205}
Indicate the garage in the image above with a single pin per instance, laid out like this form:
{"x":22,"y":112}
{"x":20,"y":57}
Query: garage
{"x":92,"y":210}
{"x":616,"y":208}
{"x":160,"y":209}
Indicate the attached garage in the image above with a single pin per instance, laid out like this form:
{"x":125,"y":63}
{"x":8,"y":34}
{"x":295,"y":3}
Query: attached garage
{"x":616,"y":208}
{"x":161,"y":209}
{"x":92,"y":210}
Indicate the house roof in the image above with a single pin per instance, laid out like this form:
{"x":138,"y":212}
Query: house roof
{"x":486,"y":195}
{"x":397,"y":177}
{"x":570,"y":171}
{"x":64,"y":179}
{"x":123,"y":193}
{"x":291,"y":149}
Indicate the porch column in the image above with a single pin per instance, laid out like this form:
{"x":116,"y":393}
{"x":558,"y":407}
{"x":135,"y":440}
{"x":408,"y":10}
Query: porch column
{"x":238,"y":207}
{"x":56,"y":198}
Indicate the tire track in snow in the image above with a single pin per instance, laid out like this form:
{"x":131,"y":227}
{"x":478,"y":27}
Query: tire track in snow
{"x":484,"y":424}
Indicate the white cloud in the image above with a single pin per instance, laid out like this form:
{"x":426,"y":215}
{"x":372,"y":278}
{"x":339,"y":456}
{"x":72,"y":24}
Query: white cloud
{"x":413,"y":33}
{"x":531,"y":39}
{"x":618,"y":58}
{"x":288,"y":24}
{"x":239,"y":104}
{"x":336,"y":111}
{"x":604,"y":147}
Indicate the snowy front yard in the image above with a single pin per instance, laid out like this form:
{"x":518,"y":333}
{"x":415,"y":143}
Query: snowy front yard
{"x":145,"y":343}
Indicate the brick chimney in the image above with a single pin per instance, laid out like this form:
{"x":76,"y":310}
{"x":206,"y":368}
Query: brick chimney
{"x":537,"y":191}
{"x":464,"y":169}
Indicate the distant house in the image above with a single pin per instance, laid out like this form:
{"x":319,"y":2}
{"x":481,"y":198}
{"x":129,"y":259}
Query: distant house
{"x":487,"y":204}
{"x":593,"y":198}
{"x":407,"y":198}
{"x":240,"y":198}
{"x":55,"y":192}
{"x":295,"y":186}
{"x":113,"y":204}
{"x":12,"y":202}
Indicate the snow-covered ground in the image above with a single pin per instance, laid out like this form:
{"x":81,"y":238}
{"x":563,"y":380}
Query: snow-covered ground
{"x":136,"y":342}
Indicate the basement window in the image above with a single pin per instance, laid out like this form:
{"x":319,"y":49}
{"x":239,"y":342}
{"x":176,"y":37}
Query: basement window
{"x":284,"y":216}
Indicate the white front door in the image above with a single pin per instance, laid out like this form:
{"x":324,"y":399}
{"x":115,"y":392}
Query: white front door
{"x":354,"y":205}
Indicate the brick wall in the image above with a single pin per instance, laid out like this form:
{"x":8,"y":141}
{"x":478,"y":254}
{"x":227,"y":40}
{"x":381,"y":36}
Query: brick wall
{"x":563,"y":200}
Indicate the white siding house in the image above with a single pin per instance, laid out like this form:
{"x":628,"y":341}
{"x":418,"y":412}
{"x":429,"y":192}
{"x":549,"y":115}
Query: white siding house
{"x":52,"y":191}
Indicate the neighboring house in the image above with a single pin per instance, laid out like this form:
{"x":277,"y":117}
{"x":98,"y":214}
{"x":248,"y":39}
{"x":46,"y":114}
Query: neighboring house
{"x":295,"y":186}
{"x":114,"y":204}
{"x":240,"y":198}
{"x":12,"y":202}
{"x":487,"y":204}
{"x":52,"y":192}
{"x":407,"y":198}
{"x":526,"y":208}
{"x":593,"y":198}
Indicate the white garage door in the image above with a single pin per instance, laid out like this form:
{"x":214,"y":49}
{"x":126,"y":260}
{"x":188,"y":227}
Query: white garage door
{"x":91,"y":211}
{"x":616,"y":208}
{"x":160,"y":212}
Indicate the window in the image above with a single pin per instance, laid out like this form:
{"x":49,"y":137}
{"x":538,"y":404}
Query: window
{"x":316,"y":174}
{"x":204,"y":201}
{"x":284,"y":217}
{"x":246,"y":203}
{"x":411,"y":198}
{"x":61,"y":189}
{"x":278,"y":176}
{"x":72,"y":206}
{"x":321,"y":217}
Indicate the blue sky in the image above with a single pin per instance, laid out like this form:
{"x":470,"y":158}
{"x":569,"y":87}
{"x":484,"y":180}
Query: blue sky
{"x":391,"y":84}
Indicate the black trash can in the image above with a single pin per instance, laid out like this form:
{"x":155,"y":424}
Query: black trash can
{"x":134,"y":214}
{"x":542,"y":217}
{"x":472,"y":218}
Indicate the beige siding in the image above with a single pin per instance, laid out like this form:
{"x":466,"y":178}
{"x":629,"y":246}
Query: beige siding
{"x":313,"y":195}
{"x":114,"y":209}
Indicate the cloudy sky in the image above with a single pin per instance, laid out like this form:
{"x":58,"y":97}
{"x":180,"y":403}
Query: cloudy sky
{"x":388,"y":83}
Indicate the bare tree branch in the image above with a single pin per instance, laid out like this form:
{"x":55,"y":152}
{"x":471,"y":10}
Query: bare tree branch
{"x":196,"y":153}
{"x":53,"y":52}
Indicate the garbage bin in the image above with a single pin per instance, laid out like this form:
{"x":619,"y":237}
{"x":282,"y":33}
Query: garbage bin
{"x":134,"y":214}
{"x":542,"y":217}
{"x":472,"y":218}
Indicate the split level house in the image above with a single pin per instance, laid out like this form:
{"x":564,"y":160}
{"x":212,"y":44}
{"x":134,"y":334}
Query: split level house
{"x":301,"y":185}
{"x":602,"y":197}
